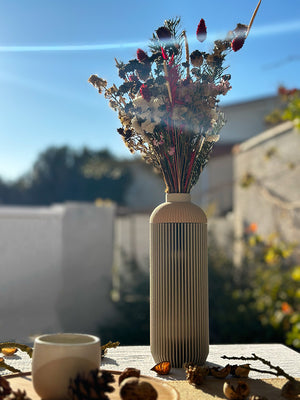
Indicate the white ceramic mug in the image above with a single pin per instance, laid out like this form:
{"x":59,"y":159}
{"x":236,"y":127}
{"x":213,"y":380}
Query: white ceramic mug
{"x":59,"y":357}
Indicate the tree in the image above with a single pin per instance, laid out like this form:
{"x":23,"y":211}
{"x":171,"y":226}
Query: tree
{"x":289,"y":110}
{"x":63,"y":174}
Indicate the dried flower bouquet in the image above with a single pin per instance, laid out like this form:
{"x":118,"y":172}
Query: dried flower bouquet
{"x":168,"y":102}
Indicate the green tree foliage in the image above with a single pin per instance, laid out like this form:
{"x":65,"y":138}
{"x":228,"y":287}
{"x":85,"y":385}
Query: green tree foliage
{"x":289,"y":109}
{"x":274,"y":286}
{"x":255,"y":303}
{"x":63,"y":174}
{"x":258,"y":302}
{"x":132,"y":303}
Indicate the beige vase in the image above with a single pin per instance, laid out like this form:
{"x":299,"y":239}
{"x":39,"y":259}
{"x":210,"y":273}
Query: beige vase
{"x":179,"y":330}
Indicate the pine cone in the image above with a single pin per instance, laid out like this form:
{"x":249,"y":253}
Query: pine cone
{"x":92,"y":386}
{"x":5,"y":388}
{"x":195,"y":374}
{"x":18,"y":395}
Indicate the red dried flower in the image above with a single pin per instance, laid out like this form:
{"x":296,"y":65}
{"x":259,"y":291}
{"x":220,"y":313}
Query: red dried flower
{"x":240,"y":34}
{"x":201,"y":31}
{"x":163,"y":33}
{"x":141,"y":55}
{"x":145,"y":92}
{"x":133,"y":78}
{"x":164,"y":54}
{"x":237,"y":43}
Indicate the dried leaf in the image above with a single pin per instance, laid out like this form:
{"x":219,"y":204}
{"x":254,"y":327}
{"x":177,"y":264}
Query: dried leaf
{"x":22,"y":347}
{"x":162,"y":368}
{"x":9,"y":351}
{"x":107,"y":346}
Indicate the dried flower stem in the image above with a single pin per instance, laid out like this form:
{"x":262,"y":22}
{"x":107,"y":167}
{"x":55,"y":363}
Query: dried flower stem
{"x":187,"y":54}
{"x":279,"y":371}
{"x":167,"y":83}
{"x":252,"y":18}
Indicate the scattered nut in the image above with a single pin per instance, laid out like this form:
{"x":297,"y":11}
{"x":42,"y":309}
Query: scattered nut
{"x":135,"y":389}
{"x":239,"y":393}
{"x":220,"y":372}
{"x":242,"y":371}
{"x":291,"y":389}
{"x":129,"y":373}
{"x":9,"y":351}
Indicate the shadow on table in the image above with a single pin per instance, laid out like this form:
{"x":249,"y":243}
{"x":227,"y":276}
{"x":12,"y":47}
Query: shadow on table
{"x":269,"y":388}
{"x":106,"y":361}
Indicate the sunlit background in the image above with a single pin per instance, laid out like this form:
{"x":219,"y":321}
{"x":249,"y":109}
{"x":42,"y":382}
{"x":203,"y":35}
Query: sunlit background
{"x":48,"y":49}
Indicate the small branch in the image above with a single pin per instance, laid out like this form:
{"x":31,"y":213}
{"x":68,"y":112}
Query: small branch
{"x":279,"y":371}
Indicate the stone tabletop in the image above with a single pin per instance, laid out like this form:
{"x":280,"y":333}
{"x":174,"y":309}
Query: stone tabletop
{"x":140,"y":357}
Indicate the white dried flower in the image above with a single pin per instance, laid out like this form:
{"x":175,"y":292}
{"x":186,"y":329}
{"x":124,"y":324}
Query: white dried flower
{"x":212,"y":138}
{"x":141,"y":103}
{"x":148,"y":126}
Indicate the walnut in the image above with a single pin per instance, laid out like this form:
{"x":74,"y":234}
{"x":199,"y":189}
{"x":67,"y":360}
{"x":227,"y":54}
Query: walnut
{"x":135,"y":389}
{"x":241,"y":391}
{"x":129,"y":373}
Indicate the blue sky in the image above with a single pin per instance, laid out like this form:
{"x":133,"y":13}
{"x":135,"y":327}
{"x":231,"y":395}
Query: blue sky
{"x":49,"y":48}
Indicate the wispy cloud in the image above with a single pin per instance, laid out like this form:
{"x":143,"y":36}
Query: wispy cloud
{"x":83,"y":47}
{"x":267,"y":30}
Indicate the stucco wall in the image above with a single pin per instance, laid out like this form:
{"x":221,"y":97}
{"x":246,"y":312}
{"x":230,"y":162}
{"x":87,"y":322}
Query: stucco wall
{"x":55,"y":269}
{"x":272,"y":198}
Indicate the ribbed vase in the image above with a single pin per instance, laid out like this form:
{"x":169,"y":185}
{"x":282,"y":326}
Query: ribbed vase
{"x":179,"y":330}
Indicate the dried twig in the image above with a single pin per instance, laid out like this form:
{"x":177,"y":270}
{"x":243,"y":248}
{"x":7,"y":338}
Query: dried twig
{"x":252,"y":18}
{"x":7,"y":366}
{"x":107,"y":346}
{"x":279,"y":371}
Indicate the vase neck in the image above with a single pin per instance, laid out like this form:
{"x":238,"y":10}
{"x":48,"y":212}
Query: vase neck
{"x":178,"y":197}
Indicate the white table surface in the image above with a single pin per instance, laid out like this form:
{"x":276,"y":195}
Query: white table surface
{"x":140,"y":357}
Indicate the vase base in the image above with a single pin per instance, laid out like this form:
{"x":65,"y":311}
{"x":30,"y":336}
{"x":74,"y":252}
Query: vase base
{"x":178,"y":360}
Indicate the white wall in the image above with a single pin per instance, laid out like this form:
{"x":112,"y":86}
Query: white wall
{"x":55,"y":266}
{"x":247,"y":119}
